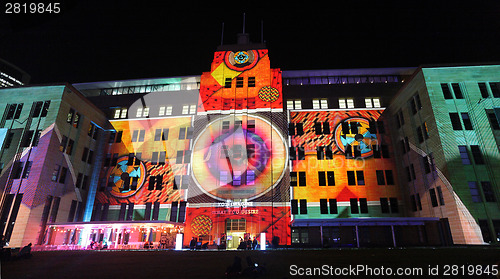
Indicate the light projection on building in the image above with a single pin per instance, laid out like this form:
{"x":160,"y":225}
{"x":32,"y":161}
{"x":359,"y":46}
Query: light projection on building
{"x":125,"y":178}
{"x":240,"y":80}
{"x":356,"y":133}
{"x":238,"y":157}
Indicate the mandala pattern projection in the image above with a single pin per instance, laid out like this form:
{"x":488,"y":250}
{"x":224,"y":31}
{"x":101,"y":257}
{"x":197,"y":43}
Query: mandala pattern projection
{"x":141,"y":166}
{"x":201,"y":225}
{"x":238,"y":157}
{"x":355,"y":133}
{"x":126,"y":180}
{"x":241,"y":60}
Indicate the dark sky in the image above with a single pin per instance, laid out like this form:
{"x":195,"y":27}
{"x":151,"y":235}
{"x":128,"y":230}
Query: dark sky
{"x":109,"y":40}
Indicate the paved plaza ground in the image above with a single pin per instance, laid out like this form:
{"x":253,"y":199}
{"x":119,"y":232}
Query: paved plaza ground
{"x":279,"y":263}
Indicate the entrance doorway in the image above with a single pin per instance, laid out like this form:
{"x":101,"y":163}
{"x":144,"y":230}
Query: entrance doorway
{"x":235,"y":230}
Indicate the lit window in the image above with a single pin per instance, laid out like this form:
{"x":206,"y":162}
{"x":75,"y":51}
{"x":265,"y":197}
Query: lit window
{"x":298,"y":104}
{"x":324,"y":103}
{"x":162,"y":111}
{"x":320,"y":104}
{"x":168,"y":110}
{"x":350,"y":103}
{"x":192,"y":109}
{"x":124,"y":113}
{"x":185,"y":109}
{"x":368,"y":102}
{"x":372,"y":102}
{"x":346,"y":103}
{"x":139,"y":112}
{"x":117,"y":113}
{"x":315,"y":104}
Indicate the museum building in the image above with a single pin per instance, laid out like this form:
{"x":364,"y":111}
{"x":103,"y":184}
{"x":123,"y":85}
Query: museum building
{"x":311,"y":158}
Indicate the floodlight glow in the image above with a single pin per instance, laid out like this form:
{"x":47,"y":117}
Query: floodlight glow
{"x":178,"y":241}
{"x":263,"y":241}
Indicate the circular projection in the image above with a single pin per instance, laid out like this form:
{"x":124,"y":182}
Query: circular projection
{"x":269,"y":94}
{"x":126,"y":179}
{"x":201,"y":225}
{"x":355,"y":132}
{"x":241,"y":60}
{"x":238,"y":157}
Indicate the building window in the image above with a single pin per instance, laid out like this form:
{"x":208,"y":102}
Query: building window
{"x":326,"y":178}
{"x":239,"y":82}
{"x":457,"y":91}
{"x":363,"y":205}
{"x":355,"y":177}
{"x":120,"y":113}
{"x":495,"y":124}
{"x":346,"y":103}
{"x":227,"y":83}
{"x":427,"y":164}
{"x":446,"y":91}
{"x":380,"y":177}
{"x":323,"y":206}
{"x":320,"y":103}
{"x":161,"y":134}
{"x":165,"y":110}
{"x":294,"y":207}
{"x":295,"y":129}
{"x":432,"y":193}
{"x":384,"y":205}
{"x":189,"y":109}
{"x":474,"y":191}
{"x":138,"y":135}
{"x":142,"y":112}
{"x":37,"y":108}
{"x":354,"y":206}
{"x":294,"y":104}
{"x":466,"y":120}
{"x":464,"y":154}
{"x":420,"y":135}
{"x":455,"y":121}
{"x":300,"y":236}
{"x":251,"y":81}
{"x":183,"y":157}
{"x":440,"y":195}
{"x":415,"y":103}
{"x":297,"y":178}
{"x":477,"y":155}
{"x":372,"y":102}
{"x":303,"y":206}
{"x":333,"y":206}
{"x":483,"y":89}
{"x":425,"y":130}
{"x":14,"y":111}
{"x":489,"y":194}
{"x":495,"y":89}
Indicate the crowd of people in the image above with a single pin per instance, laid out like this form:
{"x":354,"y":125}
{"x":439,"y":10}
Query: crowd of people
{"x":248,"y":244}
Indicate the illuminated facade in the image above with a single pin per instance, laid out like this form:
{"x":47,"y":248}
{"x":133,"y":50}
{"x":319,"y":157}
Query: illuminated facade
{"x":310,"y":158}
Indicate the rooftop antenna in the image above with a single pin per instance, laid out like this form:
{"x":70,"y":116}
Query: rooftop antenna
{"x":222,"y":35}
{"x":262,"y":31}
{"x":243,"y":23}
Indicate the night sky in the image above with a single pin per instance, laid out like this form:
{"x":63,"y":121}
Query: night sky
{"x":95,"y":41}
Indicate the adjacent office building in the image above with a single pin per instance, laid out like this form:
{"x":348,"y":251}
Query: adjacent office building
{"x":320,"y":158}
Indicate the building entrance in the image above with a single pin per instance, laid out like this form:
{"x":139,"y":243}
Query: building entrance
{"x":235,"y":231}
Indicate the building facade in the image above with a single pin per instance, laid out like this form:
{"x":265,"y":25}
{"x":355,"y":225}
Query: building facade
{"x":11,"y":75}
{"x":320,"y":158}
